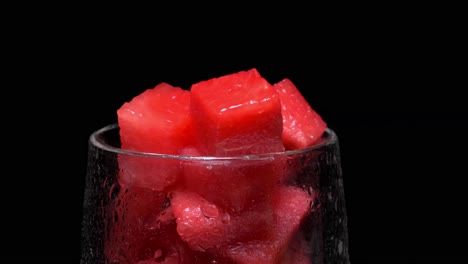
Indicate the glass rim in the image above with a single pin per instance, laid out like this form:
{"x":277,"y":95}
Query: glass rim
{"x":328,"y":138}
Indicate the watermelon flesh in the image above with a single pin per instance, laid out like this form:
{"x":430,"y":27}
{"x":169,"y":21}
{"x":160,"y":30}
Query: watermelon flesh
{"x":233,"y":185}
{"x":199,"y":222}
{"x":136,"y":223}
{"x":206,"y":227}
{"x":302,"y":126}
{"x":237,"y":114}
{"x":144,"y":231}
{"x":203,"y":211}
{"x":291,"y":206}
{"x":158,"y":121}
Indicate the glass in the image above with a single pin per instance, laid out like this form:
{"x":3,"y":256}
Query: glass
{"x":286,"y":207}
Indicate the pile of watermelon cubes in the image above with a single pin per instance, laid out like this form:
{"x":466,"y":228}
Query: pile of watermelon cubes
{"x":203,"y":211}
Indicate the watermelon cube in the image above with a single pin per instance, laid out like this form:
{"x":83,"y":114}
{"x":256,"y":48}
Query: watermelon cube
{"x":144,"y":231}
{"x":165,"y":246}
{"x":291,"y":205}
{"x":199,"y":222}
{"x":232,"y":184}
{"x":206,"y":227}
{"x":302,"y":126}
{"x":158,"y":120}
{"x":138,"y":214}
{"x":237,"y":114}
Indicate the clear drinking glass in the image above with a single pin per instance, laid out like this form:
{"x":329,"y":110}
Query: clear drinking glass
{"x":286,"y":207}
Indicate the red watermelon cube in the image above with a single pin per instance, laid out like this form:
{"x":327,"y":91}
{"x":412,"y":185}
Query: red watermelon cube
{"x":291,"y":205}
{"x":206,"y":227}
{"x":237,"y":114}
{"x":302,"y":126}
{"x":138,"y":215}
{"x":232,"y":184}
{"x":158,"y":121}
{"x":199,"y":222}
{"x":144,"y":231}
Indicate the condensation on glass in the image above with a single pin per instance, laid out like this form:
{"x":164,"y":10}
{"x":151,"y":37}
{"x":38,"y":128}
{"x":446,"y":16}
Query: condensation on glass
{"x":286,"y":208}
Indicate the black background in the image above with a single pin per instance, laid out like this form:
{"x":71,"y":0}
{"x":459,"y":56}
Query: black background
{"x":389,"y":82}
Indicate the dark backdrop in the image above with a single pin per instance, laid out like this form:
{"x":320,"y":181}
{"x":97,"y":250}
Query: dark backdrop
{"x":389,"y":84}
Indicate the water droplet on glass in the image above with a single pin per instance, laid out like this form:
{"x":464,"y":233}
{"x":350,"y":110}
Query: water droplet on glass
{"x":225,"y":218}
{"x":209,"y":210}
{"x":199,"y":248}
{"x":114,"y":191}
{"x":340,"y":247}
{"x":156,"y":226}
{"x":159,"y":255}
